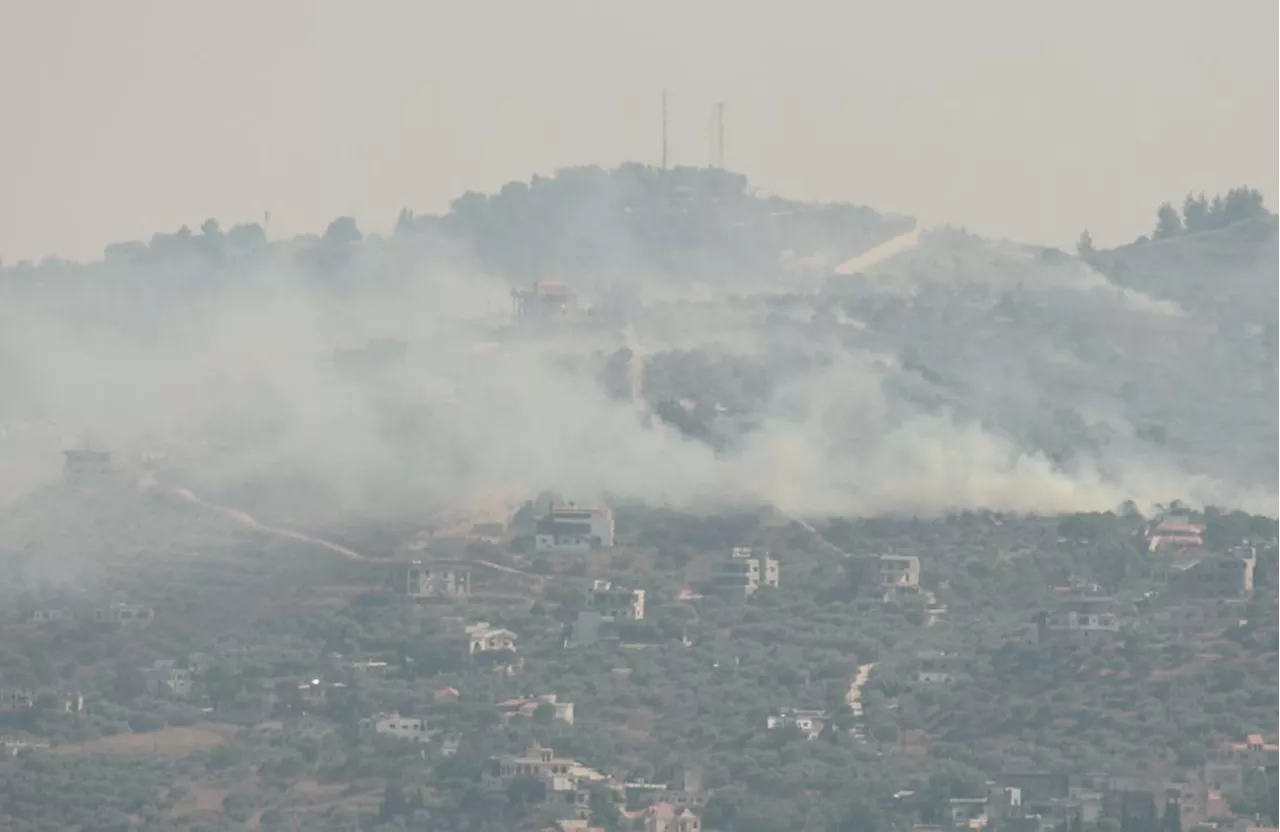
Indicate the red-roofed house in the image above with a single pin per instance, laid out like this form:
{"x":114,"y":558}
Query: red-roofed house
{"x":527,"y":706}
{"x":1173,"y":534}
{"x":1254,"y":752}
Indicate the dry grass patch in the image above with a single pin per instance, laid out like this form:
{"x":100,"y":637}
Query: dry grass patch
{"x":175,"y":740}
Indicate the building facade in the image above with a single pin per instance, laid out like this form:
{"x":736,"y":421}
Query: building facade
{"x":437,"y":581}
{"x":1226,"y":575}
{"x":413,"y":729}
{"x":573,"y":529}
{"x":1084,"y":618}
{"x":744,"y":572}
{"x":616,"y":602}
{"x":84,"y":468}
{"x":483,"y":638}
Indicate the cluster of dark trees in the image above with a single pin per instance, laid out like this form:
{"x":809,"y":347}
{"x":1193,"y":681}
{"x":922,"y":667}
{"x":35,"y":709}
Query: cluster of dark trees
{"x":1201,"y":214}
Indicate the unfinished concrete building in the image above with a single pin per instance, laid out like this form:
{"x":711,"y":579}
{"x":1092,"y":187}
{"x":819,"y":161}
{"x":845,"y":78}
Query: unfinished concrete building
{"x":616,"y":602}
{"x":545,"y":299}
{"x":437,"y":580}
{"x":1083,"y":618}
{"x":884,"y":575}
{"x":83,"y":468}
{"x":744,"y":572}
{"x":1225,"y":576}
{"x":571,"y":528}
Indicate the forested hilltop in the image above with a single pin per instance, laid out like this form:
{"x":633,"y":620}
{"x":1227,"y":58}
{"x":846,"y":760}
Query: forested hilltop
{"x":586,"y":225}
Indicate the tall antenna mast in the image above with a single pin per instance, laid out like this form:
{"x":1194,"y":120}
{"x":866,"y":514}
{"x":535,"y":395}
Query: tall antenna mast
{"x":664,"y":128}
{"x":720,"y":135}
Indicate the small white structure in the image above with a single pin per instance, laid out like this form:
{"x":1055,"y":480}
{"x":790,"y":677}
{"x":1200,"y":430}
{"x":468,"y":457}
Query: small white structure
{"x":413,"y":729}
{"x":809,"y":722}
{"x":125,"y":614}
{"x":483,"y":638}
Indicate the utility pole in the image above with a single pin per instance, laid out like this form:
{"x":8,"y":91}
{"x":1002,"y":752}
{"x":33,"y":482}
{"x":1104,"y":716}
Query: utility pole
{"x":664,"y":128}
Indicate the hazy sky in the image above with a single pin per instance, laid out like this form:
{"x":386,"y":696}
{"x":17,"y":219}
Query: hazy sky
{"x":1015,"y":118}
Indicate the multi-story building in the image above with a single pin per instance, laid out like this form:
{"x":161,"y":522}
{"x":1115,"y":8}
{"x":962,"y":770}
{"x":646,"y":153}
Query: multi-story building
{"x":413,"y":729}
{"x":884,"y":575}
{"x":83,"y":468}
{"x":744,"y":572}
{"x":1225,"y":575}
{"x":1085,"y":617}
{"x":616,"y":602}
{"x":574,"y":529}
{"x":566,"y":782}
{"x":899,"y":571}
{"x":1175,"y":533}
{"x":437,"y":580}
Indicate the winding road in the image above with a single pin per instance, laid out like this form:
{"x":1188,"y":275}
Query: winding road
{"x":250,"y":522}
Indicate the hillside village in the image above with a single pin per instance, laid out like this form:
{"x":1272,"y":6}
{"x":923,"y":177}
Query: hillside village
{"x":832,"y":552}
{"x":576,"y":673}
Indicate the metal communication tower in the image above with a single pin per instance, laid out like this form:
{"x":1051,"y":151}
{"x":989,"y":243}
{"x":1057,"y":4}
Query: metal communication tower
{"x":720,"y":135}
{"x":664,"y":129}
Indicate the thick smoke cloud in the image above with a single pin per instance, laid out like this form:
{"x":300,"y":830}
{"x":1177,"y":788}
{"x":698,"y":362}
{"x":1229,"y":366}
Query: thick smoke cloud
{"x":934,"y":372}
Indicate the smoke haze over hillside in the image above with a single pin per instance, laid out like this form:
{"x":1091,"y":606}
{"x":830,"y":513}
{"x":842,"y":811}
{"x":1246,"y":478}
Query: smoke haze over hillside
{"x":913,"y":403}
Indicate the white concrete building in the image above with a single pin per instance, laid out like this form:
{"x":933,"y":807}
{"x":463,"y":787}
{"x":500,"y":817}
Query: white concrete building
{"x":483,"y":638}
{"x":413,"y":729}
{"x":810,"y":722}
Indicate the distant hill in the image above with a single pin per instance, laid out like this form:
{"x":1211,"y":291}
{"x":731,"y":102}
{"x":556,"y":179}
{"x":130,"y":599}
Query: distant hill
{"x":591,"y":227}
{"x":587,"y":224}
